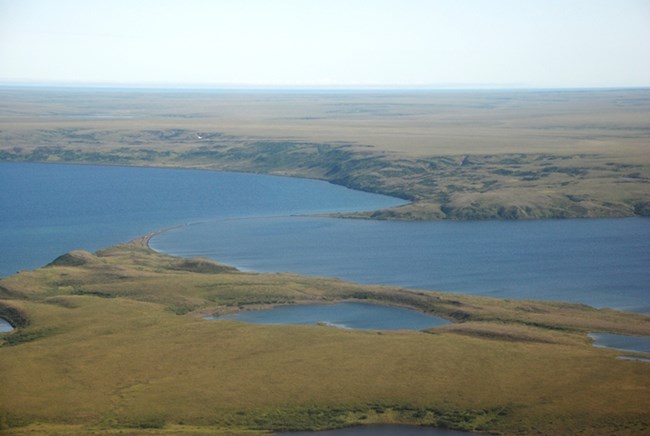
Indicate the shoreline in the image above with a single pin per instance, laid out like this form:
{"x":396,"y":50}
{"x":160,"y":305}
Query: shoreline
{"x":143,"y":241}
{"x":154,"y":307}
{"x":413,"y":209}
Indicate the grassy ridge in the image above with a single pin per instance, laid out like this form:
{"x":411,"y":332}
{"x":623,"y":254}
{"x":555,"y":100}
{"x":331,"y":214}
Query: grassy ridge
{"x":106,"y":349}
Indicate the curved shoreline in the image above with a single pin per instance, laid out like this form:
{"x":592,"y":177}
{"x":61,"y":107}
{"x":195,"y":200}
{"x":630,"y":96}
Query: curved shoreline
{"x":143,"y":241}
{"x":425,"y":204}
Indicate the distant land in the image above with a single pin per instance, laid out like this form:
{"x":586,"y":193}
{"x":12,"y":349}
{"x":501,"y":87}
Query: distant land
{"x":455,"y":154}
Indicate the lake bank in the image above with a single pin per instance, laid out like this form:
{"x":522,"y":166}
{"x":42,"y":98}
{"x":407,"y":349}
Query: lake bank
{"x":52,"y":209}
{"x":144,"y":240}
{"x":634,"y":344}
{"x":499,"y":156}
{"x":241,"y":219}
{"x":602,"y":263}
{"x":608,"y":189}
{"x":345,"y":315}
{"x":383,"y":430}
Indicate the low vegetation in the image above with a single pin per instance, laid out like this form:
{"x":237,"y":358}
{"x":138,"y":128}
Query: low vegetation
{"x":115,"y":342}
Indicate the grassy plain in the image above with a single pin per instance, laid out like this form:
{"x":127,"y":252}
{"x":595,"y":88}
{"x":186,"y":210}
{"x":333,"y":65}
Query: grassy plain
{"x":455,"y":154}
{"x":114,"y":342}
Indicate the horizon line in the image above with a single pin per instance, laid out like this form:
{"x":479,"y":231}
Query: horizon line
{"x":304,"y":87}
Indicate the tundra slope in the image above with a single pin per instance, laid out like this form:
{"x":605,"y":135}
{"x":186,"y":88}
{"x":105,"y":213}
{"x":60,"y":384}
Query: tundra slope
{"x":115,"y":341}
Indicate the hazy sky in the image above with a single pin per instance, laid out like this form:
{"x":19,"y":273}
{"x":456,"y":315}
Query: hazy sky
{"x":530,"y":43}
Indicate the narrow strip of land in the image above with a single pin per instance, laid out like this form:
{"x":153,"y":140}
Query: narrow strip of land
{"x":143,"y":241}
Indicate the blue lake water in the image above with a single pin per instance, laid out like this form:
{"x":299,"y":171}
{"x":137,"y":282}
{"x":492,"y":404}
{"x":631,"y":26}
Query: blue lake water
{"x":603,"y":263}
{"x":360,"y":316}
{"x":48,"y":210}
{"x":244,"y":220}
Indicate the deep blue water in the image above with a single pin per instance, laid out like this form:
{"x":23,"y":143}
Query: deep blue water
{"x":360,"y":316}
{"x":48,"y":210}
{"x":603,"y":263}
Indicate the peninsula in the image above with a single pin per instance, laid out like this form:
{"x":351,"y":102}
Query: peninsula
{"x":115,"y":341}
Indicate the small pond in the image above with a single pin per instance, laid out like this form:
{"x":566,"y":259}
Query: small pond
{"x":637,"y":344}
{"x":5,"y":326}
{"x":361,"y":316}
{"x":381,"y":430}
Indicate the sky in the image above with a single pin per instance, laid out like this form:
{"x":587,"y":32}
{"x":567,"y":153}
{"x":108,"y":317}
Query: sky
{"x":327,"y":43}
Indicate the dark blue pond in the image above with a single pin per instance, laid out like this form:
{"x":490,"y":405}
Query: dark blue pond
{"x":359,"y":316}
